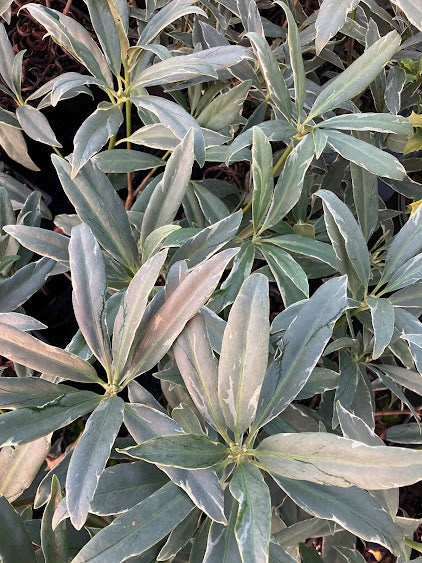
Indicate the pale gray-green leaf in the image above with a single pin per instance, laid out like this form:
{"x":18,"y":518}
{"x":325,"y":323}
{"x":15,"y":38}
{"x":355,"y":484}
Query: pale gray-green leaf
{"x":331,"y":17}
{"x":382,"y":314}
{"x":36,"y":125}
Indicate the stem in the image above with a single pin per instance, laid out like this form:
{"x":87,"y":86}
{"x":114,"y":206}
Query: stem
{"x":112,"y":142}
{"x":56,"y":150}
{"x":128,"y":205}
{"x":283,"y":158}
{"x":398,"y":412}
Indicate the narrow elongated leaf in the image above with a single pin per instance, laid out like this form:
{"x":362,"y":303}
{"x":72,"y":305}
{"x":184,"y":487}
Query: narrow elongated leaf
{"x":365,"y":196}
{"x":14,"y":291}
{"x":14,"y":145}
{"x":17,"y":392}
{"x":44,"y":242}
{"x":412,"y":9}
{"x":175,"y":69}
{"x":36,"y":126}
{"x":404,"y":377}
{"x":122,"y":486}
{"x":179,"y":536}
{"x":94,"y":133}
{"x":99,"y":206}
{"x":132,"y":309}
{"x":225,"y":109}
{"x":274,"y":79}
{"x":325,"y":459}
{"x":296,"y":61}
{"x":105,"y":28}
{"x":244,"y":354}
{"x":187,"y":451}
{"x":383,"y":122}
{"x":53,"y":542}
{"x":20,"y":464}
{"x":198,"y":367}
{"x":382,"y":313}
{"x":90,"y":456}
{"x":407,"y":274}
{"x":363,"y":154}
{"x":177,"y":309}
{"x":331,"y":17}
{"x":89,"y":290}
{"x":202,"y":485}
{"x":263,"y":182}
{"x":15,"y":545}
{"x":357,"y":76}
{"x":405,"y":434}
{"x":289,"y":186}
{"x":124,"y":160}
{"x":6,"y":58}
{"x":410,"y":325}
{"x":253,"y":520}
{"x":24,"y":349}
{"x":222,"y":545}
{"x":21,"y":322}
{"x":139,"y":528}
{"x":304,"y":342}
{"x":27,"y":424}
{"x":169,"y":192}
{"x":346,"y":237}
{"x":306,"y":246}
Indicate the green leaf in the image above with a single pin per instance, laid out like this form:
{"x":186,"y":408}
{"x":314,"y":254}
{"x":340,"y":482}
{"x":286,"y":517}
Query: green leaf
{"x":132,"y":310}
{"x":36,"y":125}
{"x":175,"y":69}
{"x":169,"y":192}
{"x":225,"y":109}
{"x":404,"y":377}
{"x":366,"y":155}
{"x":309,"y":554}
{"x":347,"y":239}
{"x":253,"y":522}
{"x":365,"y":196}
{"x":187,"y":451}
{"x":290,"y":182}
{"x":306,"y":246}
{"x":179,"y":536}
{"x":383,"y":122}
{"x":139,"y":528}
{"x":405,"y":434}
{"x":304,"y":342}
{"x":122,"y":486}
{"x":125,"y":160}
{"x":17,"y":392}
{"x":21,"y":322}
{"x":272,"y":75}
{"x":198,"y":367}
{"x":15,"y":545}
{"x":53,"y":542}
{"x":43,"y":242}
{"x":244,"y":354}
{"x":328,"y":460}
{"x":262,"y":174}
{"x":382,"y":314}
{"x":411,"y":329}
{"x":19,"y":466}
{"x":89,"y":291}
{"x":412,"y":10}
{"x":407,"y":274}
{"x":24,"y":349}
{"x":24,"y":425}
{"x":296,"y":61}
{"x":332,"y":16}
{"x":90,"y":456}
{"x":178,"y":308}
{"x":94,"y":133}
{"x":98,"y":205}
{"x":222,"y":546}
{"x":357,"y":76}
{"x":6,"y":57}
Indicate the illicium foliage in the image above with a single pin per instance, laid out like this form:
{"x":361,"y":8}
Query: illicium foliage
{"x":266,"y":434}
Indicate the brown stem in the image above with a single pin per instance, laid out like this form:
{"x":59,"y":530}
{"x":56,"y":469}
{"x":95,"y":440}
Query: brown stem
{"x":67,"y":7}
{"x":398,"y":412}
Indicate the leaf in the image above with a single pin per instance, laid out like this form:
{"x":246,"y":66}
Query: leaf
{"x":382,"y":314}
{"x":17,"y":392}
{"x":405,"y":434}
{"x":94,"y":133}
{"x":21,"y":322}
{"x":169,"y":192}
{"x":332,"y":16}
{"x":357,"y":76}
{"x":365,"y":196}
{"x":412,"y":10}
{"x":99,"y":206}
{"x":202,"y":485}
{"x":20,"y":464}
{"x":24,"y":349}
{"x":175,"y":69}
{"x":225,"y":110}
{"x":347,"y":239}
{"x":198,"y":367}
{"x":383,"y":122}
{"x":304,"y":342}
{"x":125,"y":160}
{"x":221,"y":545}
{"x":90,"y":456}
{"x":44,"y":242}
{"x":263,"y":182}
{"x":296,"y":61}
{"x":139,"y":528}
{"x":15,"y":545}
{"x":187,"y":451}
{"x":27,"y":424}
{"x":6,"y":58}
{"x":411,"y":329}
{"x":290,"y":182}
{"x":306,"y":246}
{"x":402,"y":376}
{"x":36,"y":125}
{"x":178,"y":308}
{"x":89,"y":291}
{"x":53,"y":542}
{"x":407,"y":274}
{"x":179,"y":536}
{"x":326,"y":459}
{"x":244,"y":354}
{"x":15,"y":290}
{"x":211,"y":206}
{"x":368,"y":156}
{"x":132,"y":310}
{"x":13,"y":143}
{"x":273,"y":78}
{"x":309,"y":554}
{"x":253,"y":520}
{"x":122,"y":486}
